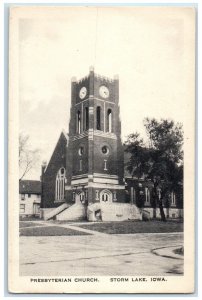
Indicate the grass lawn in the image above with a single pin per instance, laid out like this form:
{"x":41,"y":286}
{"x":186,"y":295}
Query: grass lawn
{"x":29,"y":218}
{"x":49,"y":231}
{"x":179,"y":251}
{"x":29,"y":224}
{"x":152,"y":226}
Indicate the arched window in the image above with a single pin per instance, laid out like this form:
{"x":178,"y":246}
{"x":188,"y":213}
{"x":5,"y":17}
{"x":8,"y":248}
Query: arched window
{"x":78,"y":122}
{"x":60,"y":185}
{"x":98,"y":118}
{"x":109,"y":120}
{"x":86,"y":118}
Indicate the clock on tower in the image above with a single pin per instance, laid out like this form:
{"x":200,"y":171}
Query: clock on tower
{"x":95,"y":167}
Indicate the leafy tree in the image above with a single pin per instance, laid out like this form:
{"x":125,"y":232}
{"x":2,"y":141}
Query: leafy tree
{"x":159,"y":160}
{"x":28,"y":157}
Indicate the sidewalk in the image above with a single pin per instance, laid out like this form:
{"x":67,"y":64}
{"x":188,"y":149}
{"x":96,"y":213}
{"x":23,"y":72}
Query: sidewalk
{"x":168,"y":252}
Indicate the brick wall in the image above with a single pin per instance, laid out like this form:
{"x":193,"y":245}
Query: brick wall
{"x":57,"y":161}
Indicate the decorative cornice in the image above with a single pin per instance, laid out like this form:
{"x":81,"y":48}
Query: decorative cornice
{"x":91,"y":133}
{"x":103,"y":78}
{"x":79,"y":136}
{"x":105,"y":175}
{"x":80,"y":176}
{"x":95,"y":98}
{"x":109,"y":135}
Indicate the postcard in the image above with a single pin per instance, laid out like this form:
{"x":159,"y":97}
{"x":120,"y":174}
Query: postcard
{"x":101,"y":149}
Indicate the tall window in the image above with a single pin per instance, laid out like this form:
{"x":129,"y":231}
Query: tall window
{"x":60,"y":185}
{"x":132,"y":195}
{"x":80,"y":165}
{"x":173,"y":199}
{"x":105,"y":165}
{"x":98,"y":118}
{"x":109,"y":120}
{"x":147,"y":196}
{"x":78,"y":122}
{"x":86,"y":119}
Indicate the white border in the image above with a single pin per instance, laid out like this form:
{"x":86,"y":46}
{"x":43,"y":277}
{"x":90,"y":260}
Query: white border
{"x":3,"y":120}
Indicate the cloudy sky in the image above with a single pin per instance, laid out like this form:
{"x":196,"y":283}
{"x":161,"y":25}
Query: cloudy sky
{"x":151,"y":49}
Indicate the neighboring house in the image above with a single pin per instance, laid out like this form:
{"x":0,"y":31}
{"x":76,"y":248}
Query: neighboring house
{"x":29,"y":197}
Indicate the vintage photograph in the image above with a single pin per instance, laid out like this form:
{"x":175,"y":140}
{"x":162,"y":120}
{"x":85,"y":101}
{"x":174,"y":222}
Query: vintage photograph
{"x":101,"y":131}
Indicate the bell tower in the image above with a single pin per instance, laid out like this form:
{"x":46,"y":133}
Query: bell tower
{"x":95,"y":166}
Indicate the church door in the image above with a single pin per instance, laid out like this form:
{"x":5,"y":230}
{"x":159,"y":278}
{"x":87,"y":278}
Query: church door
{"x":106,"y":196}
{"x":80,"y":198}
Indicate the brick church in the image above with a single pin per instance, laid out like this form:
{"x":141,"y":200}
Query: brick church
{"x":85,"y":176}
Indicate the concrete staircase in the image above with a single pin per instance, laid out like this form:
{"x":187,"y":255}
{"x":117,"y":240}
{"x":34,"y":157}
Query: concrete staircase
{"x":74,"y":212}
{"x":50,"y":214}
{"x":94,"y":212}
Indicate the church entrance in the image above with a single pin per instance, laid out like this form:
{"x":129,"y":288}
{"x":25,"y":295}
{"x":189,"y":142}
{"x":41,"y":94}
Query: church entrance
{"x":106,"y":196}
{"x":80,"y":198}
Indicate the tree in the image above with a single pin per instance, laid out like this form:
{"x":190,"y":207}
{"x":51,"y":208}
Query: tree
{"x":28,"y":158}
{"x":160,"y":159}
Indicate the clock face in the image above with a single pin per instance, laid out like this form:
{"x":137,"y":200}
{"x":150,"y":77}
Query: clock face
{"x":104,"y":91}
{"x":83,"y":92}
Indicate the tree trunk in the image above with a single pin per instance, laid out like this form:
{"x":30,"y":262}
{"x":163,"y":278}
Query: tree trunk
{"x":159,"y":202}
{"x":163,"y":217}
{"x":155,"y":199}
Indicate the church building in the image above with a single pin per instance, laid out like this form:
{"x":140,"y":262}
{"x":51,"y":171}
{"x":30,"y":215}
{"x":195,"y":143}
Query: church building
{"x":85,"y":175}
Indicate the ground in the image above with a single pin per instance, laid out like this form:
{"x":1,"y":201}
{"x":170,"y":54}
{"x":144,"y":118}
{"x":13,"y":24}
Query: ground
{"x":86,"y":249}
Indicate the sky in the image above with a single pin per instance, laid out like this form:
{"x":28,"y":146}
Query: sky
{"x":150,"y":48}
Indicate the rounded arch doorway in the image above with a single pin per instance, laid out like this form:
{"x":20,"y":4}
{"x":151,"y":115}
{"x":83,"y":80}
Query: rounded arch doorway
{"x":80,"y":198}
{"x":106,"y":196}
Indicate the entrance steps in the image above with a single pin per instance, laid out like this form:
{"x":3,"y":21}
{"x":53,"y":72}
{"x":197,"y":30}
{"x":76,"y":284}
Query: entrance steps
{"x":74,"y":212}
{"x":50,"y":214}
{"x":94,"y":212}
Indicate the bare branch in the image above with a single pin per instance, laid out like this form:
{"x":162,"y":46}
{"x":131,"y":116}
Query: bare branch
{"x":28,"y":158}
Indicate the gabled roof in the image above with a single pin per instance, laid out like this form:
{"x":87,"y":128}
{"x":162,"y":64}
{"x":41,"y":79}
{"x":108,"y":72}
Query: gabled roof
{"x":63,"y":133}
{"x":30,"y":187}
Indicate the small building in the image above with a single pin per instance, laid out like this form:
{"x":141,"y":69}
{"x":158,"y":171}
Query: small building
{"x":29,"y":198}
